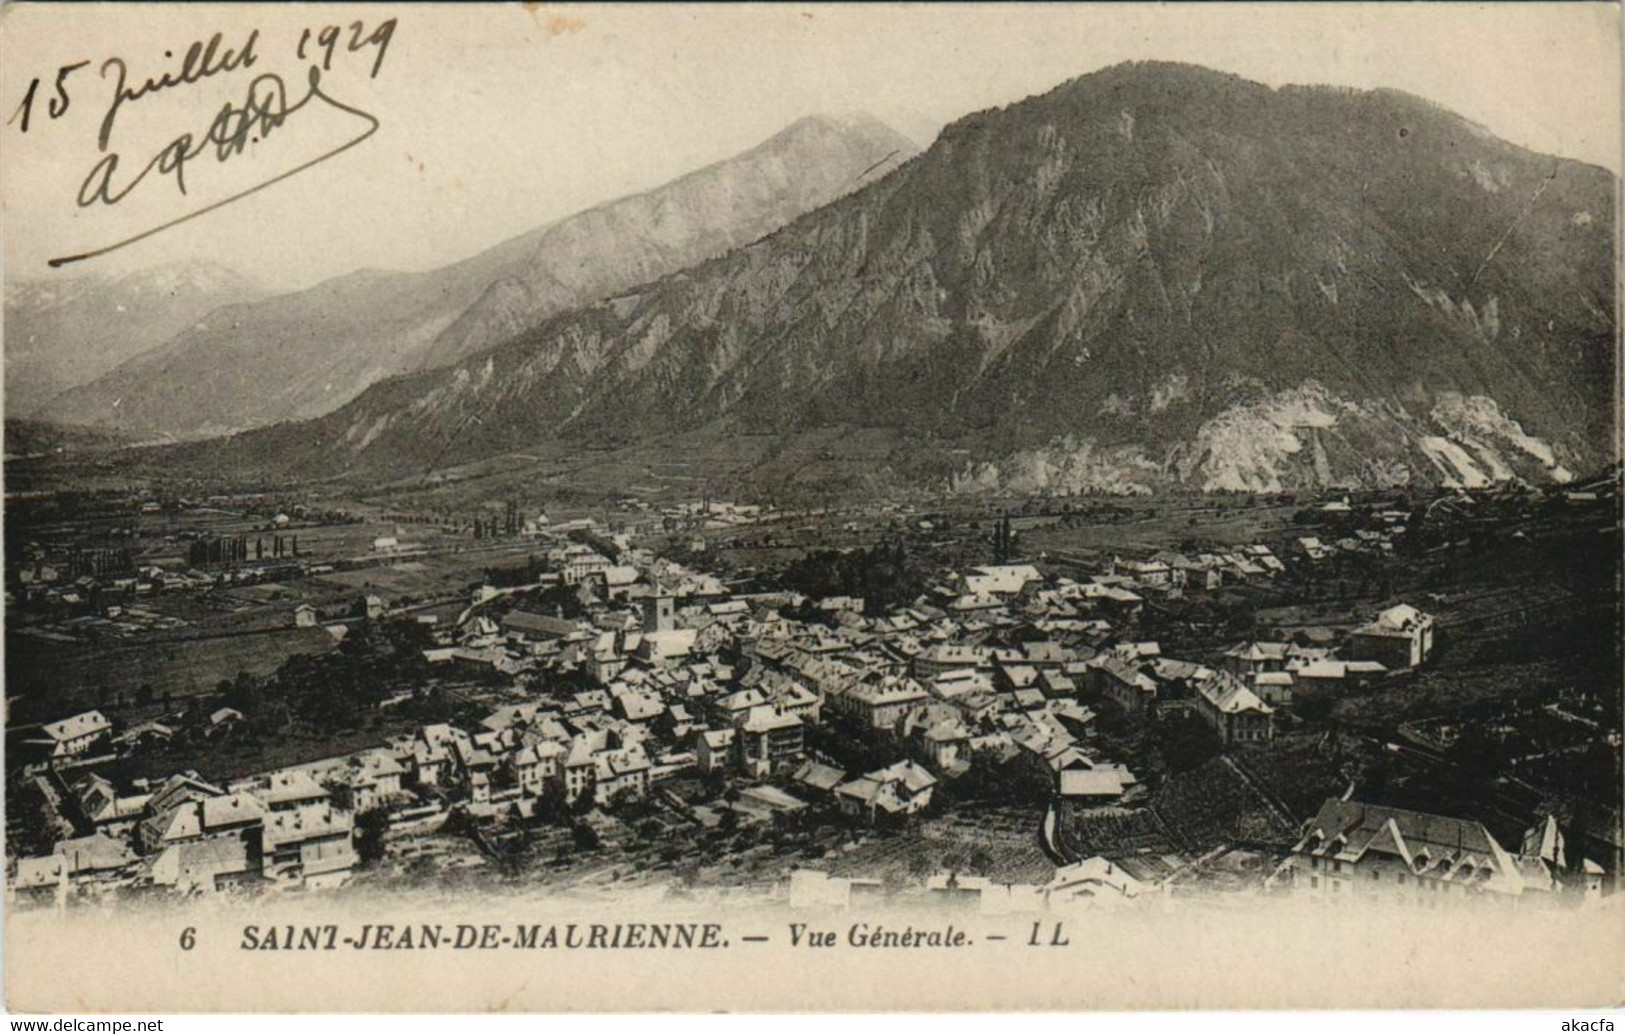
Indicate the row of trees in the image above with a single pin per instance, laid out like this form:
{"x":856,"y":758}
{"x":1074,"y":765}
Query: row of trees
{"x":100,"y":562}
{"x":235,"y":549}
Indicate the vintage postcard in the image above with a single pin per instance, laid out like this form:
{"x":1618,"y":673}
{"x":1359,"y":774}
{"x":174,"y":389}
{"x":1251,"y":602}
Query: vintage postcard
{"x":811,"y":507}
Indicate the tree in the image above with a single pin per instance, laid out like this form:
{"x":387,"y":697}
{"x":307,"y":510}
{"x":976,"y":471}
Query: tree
{"x":1185,"y":742}
{"x":1312,"y":704}
{"x":342,"y":794}
{"x":370,"y":829}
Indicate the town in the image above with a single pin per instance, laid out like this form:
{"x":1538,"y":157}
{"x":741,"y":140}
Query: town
{"x":1007,"y":705}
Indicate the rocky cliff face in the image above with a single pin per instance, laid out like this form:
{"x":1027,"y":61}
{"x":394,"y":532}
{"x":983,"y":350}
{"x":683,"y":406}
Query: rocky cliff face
{"x":303,"y":354}
{"x":638,"y":239}
{"x":1151,"y":275}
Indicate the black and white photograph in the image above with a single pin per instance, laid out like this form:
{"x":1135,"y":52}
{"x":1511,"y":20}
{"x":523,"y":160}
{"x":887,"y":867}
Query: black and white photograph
{"x":554,"y":507}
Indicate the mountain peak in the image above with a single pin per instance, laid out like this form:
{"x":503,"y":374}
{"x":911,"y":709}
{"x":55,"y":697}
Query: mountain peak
{"x":829,"y":132}
{"x":856,"y":121}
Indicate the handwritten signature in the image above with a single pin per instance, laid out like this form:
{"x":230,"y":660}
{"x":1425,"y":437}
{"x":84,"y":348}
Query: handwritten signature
{"x":264,"y":108}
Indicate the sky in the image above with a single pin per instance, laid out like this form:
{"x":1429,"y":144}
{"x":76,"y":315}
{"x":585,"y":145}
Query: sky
{"x":492,"y":120}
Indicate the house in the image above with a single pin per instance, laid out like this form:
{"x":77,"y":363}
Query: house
{"x":668,"y":646}
{"x":714,"y":749}
{"x":606,"y":658}
{"x":535,"y":767}
{"x":1001,"y":579}
{"x":1199,"y":573}
{"x":71,"y":861}
{"x":729,"y":611}
{"x":794,"y":698}
{"x":895,"y":791}
{"x":1313,"y":548}
{"x":71,"y":737}
{"x":480,"y":631}
{"x":1120,"y":682}
{"x":1045,"y":654}
{"x":768,"y":741}
{"x":311,"y":846}
{"x":618,"y":581}
{"x":620,"y":774}
{"x":290,"y":790}
{"x":146,"y":734}
{"x":176,"y":790}
{"x":818,"y":778}
{"x":1098,"y":783}
{"x":1275,"y":687}
{"x":636,"y":706}
{"x":1056,"y":685}
{"x":1353,"y":849}
{"x":587,"y":702}
{"x":229,"y":816}
{"x":536,"y":628}
{"x":575,"y":775}
{"x":1151,"y":573}
{"x":375,"y":778}
{"x":1400,"y":638}
{"x":105,"y":809}
{"x":1248,"y":659}
{"x":1116,"y":600}
{"x":878,"y":704}
{"x":947,"y":657}
{"x":40,"y":879}
{"x":1330,"y":673}
{"x":428,"y":755}
{"x":1235,"y":712}
{"x":204,"y":867}
{"x":951,"y":685}
{"x":577,"y":562}
{"x":945,"y":741}
{"x":971,"y":602}
{"x":305,"y":616}
{"x":737,"y":706}
{"x":1093,"y":881}
{"x":1013,"y":678}
{"x":96,"y":853}
{"x":222,"y":720}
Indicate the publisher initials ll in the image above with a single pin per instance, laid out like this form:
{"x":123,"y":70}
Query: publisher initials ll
{"x":1057,"y":939}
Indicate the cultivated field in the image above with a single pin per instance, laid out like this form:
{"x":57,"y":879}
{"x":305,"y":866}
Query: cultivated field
{"x":50,"y":680}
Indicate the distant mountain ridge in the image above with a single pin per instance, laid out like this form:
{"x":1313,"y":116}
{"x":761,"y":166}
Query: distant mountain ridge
{"x":305,"y":353}
{"x":32,"y":438}
{"x":1154,"y":275}
{"x":65,"y":330}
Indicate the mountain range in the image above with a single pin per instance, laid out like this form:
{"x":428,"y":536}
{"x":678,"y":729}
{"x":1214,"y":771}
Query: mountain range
{"x":299,"y":355}
{"x":1154,"y":275}
{"x":69,"y":330}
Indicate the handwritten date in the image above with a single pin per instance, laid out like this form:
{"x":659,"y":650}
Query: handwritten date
{"x":260,"y":110}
